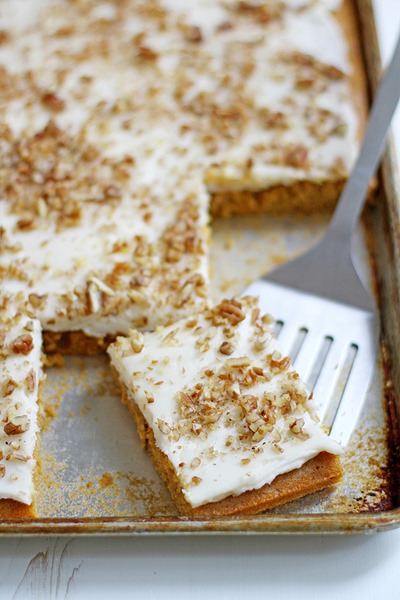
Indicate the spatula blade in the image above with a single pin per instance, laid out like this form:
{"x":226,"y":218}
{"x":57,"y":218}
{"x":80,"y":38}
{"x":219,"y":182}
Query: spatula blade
{"x":332,"y":346}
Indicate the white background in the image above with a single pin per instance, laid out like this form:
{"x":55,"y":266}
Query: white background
{"x":280,"y":568}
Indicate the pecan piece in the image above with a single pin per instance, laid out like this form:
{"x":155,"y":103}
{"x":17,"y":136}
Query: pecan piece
{"x":227,"y":348}
{"x":146,"y":53}
{"x":193,"y":34}
{"x":52,"y":102}
{"x":17,"y":426}
{"x":23,"y":344}
{"x":297,"y":157}
{"x":231,"y":310}
{"x":37,"y":301}
{"x":4,"y":37}
{"x":196,"y":480}
{"x":30,"y":381}
{"x":9,"y":386}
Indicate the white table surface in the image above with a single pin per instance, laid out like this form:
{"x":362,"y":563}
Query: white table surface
{"x":334,"y":567}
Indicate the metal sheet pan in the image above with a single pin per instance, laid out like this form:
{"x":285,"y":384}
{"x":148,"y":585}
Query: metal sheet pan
{"x":97,"y":480}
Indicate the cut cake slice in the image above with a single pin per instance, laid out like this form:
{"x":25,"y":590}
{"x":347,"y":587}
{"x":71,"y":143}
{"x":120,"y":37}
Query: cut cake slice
{"x":20,"y":378}
{"x":229,"y":425}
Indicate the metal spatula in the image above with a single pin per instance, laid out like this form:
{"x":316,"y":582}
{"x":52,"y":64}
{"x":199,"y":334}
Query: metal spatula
{"x":325,"y":319}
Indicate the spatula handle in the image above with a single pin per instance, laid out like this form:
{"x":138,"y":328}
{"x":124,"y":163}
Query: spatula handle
{"x":354,"y":193}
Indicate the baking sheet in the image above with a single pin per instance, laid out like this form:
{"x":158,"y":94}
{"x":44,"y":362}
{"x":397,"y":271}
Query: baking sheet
{"x":95,"y":477}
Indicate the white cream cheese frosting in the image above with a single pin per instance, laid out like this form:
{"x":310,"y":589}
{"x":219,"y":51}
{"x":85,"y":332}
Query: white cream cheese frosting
{"x":225,"y":407}
{"x":20,"y":376}
{"x":117,"y":120}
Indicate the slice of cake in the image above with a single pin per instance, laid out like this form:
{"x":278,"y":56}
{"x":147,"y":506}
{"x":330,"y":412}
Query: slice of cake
{"x":228,"y":423}
{"x":20,"y":377}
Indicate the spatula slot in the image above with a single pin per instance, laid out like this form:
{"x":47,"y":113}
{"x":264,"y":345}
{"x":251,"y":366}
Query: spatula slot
{"x":277,"y":327}
{"x":328,"y":343}
{"x":298,"y":342}
{"x":319,"y":362}
{"x":341,"y":385}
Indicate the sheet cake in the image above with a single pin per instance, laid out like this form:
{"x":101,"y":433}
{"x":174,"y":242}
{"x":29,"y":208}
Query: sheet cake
{"x":124,"y":123}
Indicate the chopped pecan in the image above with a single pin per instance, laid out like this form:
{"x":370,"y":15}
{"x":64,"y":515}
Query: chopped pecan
{"x":232,"y":310}
{"x":226,"y":348}
{"x":9,"y":386}
{"x":263,"y":13}
{"x":146,"y":53}
{"x":23,"y":344}
{"x":17,"y":426}
{"x":30,"y":381}
{"x":4,"y":37}
{"x":37,"y":301}
{"x":196,"y":480}
{"x":25,"y":224}
{"x":137,"y":340}
{"x":193,"y":34}
{"x":297,"y":156}
{"x":52,"y":102}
